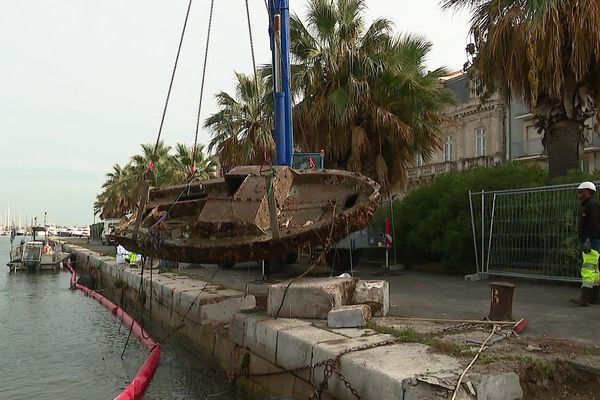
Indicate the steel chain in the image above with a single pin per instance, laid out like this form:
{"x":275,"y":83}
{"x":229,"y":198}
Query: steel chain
{"x":331,"y":367}
{"x":346,"y":382}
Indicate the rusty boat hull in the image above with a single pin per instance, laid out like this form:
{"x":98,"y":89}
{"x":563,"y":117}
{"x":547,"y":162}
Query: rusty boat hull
{"x":229,"y":219}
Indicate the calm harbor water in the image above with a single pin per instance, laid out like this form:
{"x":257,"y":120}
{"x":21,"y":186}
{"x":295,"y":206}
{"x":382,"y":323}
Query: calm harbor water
{"x":57,"y":344}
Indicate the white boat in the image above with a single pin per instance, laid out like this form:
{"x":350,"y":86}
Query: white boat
{"x":52,"y":230}
{"x":36,"y":255}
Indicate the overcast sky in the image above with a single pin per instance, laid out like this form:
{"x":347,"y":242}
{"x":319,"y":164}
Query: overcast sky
{"x":82,"y":84}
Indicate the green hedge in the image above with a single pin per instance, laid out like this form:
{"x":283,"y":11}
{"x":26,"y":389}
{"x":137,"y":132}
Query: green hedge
{"x":433,"y":222}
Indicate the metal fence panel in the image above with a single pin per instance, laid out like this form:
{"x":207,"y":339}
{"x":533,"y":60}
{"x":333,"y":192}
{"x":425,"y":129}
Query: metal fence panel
{"x":527,"y":232}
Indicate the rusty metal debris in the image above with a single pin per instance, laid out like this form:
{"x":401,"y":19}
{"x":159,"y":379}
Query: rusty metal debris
{"x":228,"y":219}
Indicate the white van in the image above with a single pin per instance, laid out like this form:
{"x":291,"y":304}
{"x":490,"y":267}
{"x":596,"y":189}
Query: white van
{"x":106,"y":236}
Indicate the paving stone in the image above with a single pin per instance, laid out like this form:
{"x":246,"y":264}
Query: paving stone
{"x":352,"y":316}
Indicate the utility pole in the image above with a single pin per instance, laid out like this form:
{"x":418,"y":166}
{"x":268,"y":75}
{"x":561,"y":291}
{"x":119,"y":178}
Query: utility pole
{"x":279,"y":32}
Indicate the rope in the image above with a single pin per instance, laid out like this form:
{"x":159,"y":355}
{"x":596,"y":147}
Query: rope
{"x":162,"y":120}
{"x":481,"y":349}
{"x":210,"y":17}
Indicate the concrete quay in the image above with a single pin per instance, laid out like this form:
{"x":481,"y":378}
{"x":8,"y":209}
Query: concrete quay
{"x":288,"y":356}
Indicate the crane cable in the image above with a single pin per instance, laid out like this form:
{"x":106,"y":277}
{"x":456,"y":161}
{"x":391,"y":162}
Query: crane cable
{"x":252,"y":47}
{"x":164,"y":113}
{"x":210,"y":18}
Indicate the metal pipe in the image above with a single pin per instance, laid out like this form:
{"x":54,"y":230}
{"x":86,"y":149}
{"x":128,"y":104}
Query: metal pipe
{"x":279,"y":132}
{"x":284,"y":10}
{"x":277,"y":77}
{"x":474,"y":233}
{"x":393,"y":230}
{"x":482,"y":227}
{"x":487,"y":267}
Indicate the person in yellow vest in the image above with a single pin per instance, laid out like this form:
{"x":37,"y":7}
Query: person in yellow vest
{"x":133,"y":257}
{"x":589,"y":235}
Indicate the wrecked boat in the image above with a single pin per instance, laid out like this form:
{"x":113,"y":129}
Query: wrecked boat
{"x":252,"y":213}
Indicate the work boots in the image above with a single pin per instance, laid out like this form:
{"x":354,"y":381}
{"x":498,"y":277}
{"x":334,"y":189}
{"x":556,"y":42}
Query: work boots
{"x":585,"y":298}
{"x":595,"y":295}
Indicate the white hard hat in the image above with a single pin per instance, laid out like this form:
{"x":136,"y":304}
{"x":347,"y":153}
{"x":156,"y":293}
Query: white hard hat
{"x":587,"y":185}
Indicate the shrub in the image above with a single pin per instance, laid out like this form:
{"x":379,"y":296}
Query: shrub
{"x":433,"y":222}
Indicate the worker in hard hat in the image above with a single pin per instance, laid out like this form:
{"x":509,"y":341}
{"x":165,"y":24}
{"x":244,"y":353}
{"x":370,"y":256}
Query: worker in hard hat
{"x":589,"y":235}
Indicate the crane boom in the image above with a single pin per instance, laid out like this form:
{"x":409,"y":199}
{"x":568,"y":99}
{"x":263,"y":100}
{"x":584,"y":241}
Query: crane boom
{"x":279,"y":32}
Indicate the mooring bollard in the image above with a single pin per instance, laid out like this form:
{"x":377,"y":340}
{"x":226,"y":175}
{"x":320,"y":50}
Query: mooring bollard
{"x":501,"y":301}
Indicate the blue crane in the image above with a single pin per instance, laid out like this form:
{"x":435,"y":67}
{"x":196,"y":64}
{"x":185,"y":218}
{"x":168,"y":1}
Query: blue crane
{"x":279,"y":32}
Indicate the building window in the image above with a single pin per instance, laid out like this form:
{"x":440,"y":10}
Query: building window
{"x":480,"y":142}
{"x":475,"y":88}
{"x":449,"y":149}
{"x":585,"y":165}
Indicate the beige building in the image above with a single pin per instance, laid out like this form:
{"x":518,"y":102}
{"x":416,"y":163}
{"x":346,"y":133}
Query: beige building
{"x":474,"y":136}
{"x":490,"y":133}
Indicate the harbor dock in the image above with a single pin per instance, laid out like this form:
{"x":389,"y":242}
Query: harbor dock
{"x":388,"y":358}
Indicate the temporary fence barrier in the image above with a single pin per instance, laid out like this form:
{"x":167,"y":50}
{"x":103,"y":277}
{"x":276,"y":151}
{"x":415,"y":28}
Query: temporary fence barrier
{"x":135,"y":390}
{"x":527,"y":232}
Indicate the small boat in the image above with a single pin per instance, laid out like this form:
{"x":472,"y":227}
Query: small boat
{"x":250,"y":214}
{"x":36,"y":255}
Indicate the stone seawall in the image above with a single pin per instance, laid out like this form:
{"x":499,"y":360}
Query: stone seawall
{"x":283,"y":356}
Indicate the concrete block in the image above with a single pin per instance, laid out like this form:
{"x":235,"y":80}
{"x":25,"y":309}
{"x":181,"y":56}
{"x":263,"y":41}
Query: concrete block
{"x":263,"y":338}
{"x":295,"y":346}
{"x":388,"y":366}
{"x":375,"y":293}
{"x":222,"y":312}
{"x":188,"y":306}
{"x":423,"y":391}
{"x":167,"y":293}
{"x":586,"y":363}
{"x":133,"y":279}
{"x":178,"y":306}
{"x":419,"y":391}
{"x":109,"y":267}
{"x":164,"y":315}
{"x":501,"y":386}
{"x":309,"y":297}
{"x":127,"y":275}
{"x":227,"y":354}
{"x":474,"y":277}
{"x":237,"y":328}
{"x":349,"y":316}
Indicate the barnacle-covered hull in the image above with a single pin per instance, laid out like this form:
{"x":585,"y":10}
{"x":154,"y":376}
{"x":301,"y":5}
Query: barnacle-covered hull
{"x":230,"y":220}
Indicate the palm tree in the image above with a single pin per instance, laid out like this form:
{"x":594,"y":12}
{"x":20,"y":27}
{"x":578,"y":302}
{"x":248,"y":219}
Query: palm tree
{"x":121,"y":190}
{"x":546,"y":53}
{"x":367,"y":97}
{"x":116,"y":199}
{"x":156,"y":165}
{"x":204,"y":166}
{"x":241,"y":129}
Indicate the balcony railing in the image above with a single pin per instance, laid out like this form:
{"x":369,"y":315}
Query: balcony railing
{"x":527,"y":148}
{"x":483,"y":161}
{"x":430,"y":170}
